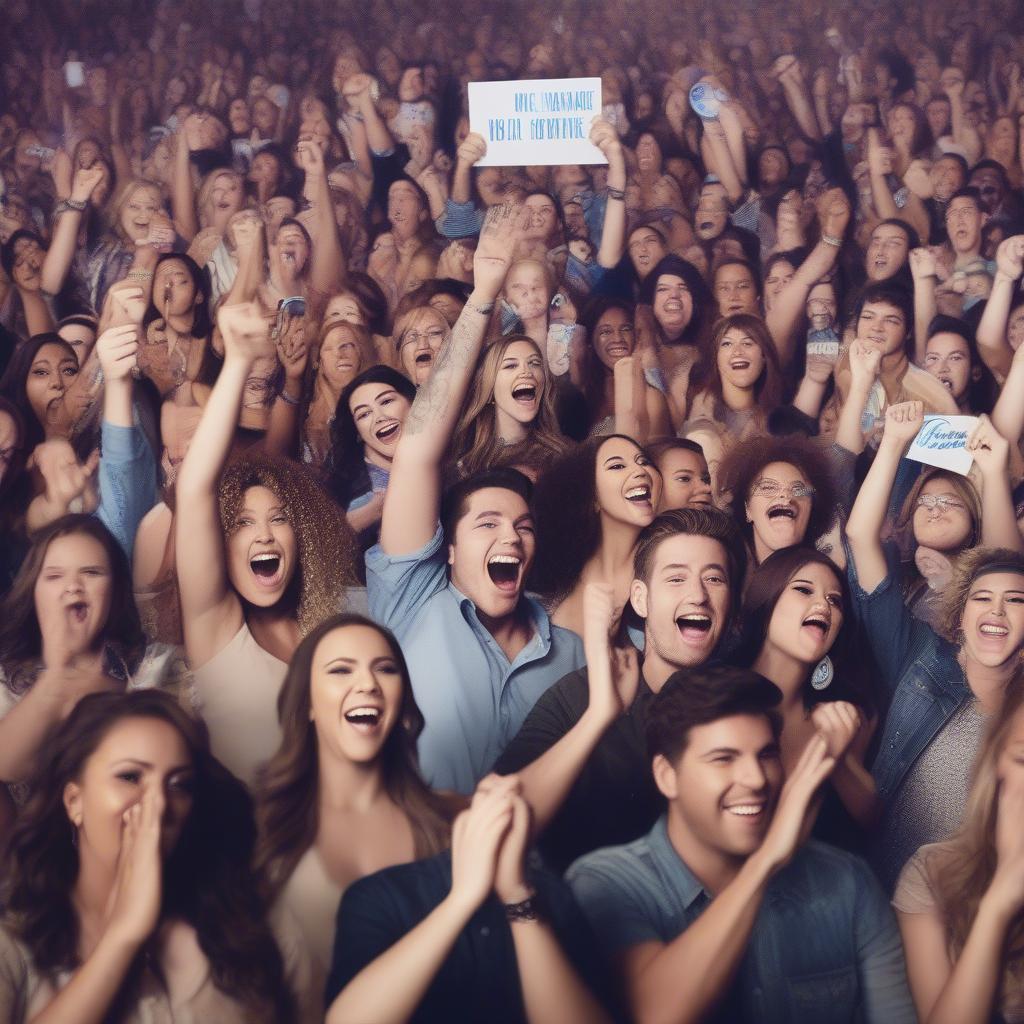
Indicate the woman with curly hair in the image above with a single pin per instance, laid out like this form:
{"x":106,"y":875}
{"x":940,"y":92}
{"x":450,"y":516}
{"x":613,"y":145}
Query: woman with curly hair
{"x":128,"y":891}
{"x":510,"y":410}
{"x":343,"y":797}
{"x":590,"y":507}
{"x":960,"y":903}
{"x":781,"y":492}
{"x":68,"y":627}
{"x":262,"y":556}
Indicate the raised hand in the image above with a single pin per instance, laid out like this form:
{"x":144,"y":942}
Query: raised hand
{"x":472,"y":148}
{"x":990,"y":449}
{"x":902,"y":422}
{"x":247,"y":230}
{"x":292,"y":350}
{"x":833,"y":212}
{"x":246,"y":333}
{"x":604,"y":136}
{"x":125,"y":303}
{"x":309,"y":157}
{"x":819,"y":367}
{"x":67,"y":480}
{"x":1010,"y":256}
{"x":85,"y":181}
{"x":510,"y":884}
{"x":117,"y":350}
{"x":791,"y":820}
{"x":864,"y":363}
{"x":614,"y":674}
{"x":477,"y":836}
{"x":837,"y":722}
{"x":922,"y":264}
{"x":919,"y":180}
{"x":134,"y":907}
{"x":502,"y":231}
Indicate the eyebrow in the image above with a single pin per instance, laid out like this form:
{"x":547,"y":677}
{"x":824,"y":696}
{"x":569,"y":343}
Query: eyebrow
{"x":673,"y":566}
{"x":50,"y":566}
{"x":719,"y":750}
{"x":147,"y":764}
{"x":273,"y":508}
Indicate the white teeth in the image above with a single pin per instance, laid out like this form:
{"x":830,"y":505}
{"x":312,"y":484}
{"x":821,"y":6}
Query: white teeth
{"x":990,"y":629}
{"x":266,"y":557}
{"x":366,"y":716}
{"x":642,"y":493}
{"x":504,"y":560}
{"x":746,"y":810}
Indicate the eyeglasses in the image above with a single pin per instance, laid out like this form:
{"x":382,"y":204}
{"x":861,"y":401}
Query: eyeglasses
{"x":432,"y":337}
{"x":939,"y":503}
{"x":772,"y":489}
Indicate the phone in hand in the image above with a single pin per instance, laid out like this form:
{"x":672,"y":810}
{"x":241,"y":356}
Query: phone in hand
{"x":74,"y":74}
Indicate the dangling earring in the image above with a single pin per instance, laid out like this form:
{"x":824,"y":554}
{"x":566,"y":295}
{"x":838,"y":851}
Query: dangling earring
{"x":74,"y":835}
{"x":823,"y":674}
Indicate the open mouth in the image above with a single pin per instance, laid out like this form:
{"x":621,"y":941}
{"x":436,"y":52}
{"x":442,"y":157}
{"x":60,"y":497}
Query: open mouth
{"x":946,"y":383}
{"x":752,"y":810}
{"x":266,"y":568}
{"x":387,"y":432}
{"x":424,"y":358}
{"x":739,"y":364}
{"x":504,"y":571}
{"x":617,"y":351}
{"x":993,"y":630}
{"x":782,"y":512}
{"x":365,"y":719}
{"x":525,"y":393}
{"x":639,"y":495}
{"x":706,"y":225}
{"x":694,"y":628}
{"x":77,"y":611}
{"x":817,"y":623}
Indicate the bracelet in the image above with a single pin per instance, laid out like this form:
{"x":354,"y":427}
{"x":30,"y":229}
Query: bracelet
{"x":526,"y":910}
{"x":286,"y":398}
{"x":616,"y":193}
{"x":485,"y":310}
{"x":138,"y":275}
{"x":78,"y":205}
{"x":832,"y":240}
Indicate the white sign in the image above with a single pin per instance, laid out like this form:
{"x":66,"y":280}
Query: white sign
{"x":540,"y":121}
{"x":942,"y":441}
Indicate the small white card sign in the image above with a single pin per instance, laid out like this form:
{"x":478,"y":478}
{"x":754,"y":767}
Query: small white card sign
{"x":941,"y":442}
{"x":539,"y":121}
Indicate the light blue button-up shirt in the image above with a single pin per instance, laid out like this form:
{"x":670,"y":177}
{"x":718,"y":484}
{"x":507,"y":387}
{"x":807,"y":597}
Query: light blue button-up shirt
{"x":472,"y":697}
{"x":825,"y":946}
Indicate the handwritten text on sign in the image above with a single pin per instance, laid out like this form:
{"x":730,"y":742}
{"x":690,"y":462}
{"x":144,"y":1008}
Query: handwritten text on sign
{"x":541,"y":121}
{"x":941,"y":442}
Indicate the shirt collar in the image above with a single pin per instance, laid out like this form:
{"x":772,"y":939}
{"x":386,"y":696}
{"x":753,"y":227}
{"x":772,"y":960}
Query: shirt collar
{"x":679,"y":877}
{"x":538,"y":616}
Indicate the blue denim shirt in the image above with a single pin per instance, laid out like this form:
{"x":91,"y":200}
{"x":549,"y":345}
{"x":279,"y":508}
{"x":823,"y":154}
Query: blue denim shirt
{"x":824,"y":947}
{"x":919,"y":672}
{"x":474,"y":700}
{"x":127,"y":482}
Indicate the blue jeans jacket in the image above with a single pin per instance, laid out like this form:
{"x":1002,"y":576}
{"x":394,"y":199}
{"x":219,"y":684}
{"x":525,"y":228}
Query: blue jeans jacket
{"x":920,"y":673}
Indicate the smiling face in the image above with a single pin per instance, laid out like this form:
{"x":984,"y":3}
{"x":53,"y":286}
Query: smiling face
{"x":941,"y":519}
{"x":685,"y":603}
{"x":648,"y":154}
{"x":685,"y":480}
{"x":882,"y":326}
{"x":340,"y":357}
{"x":379,"y":411}
{"x":808,"y":615}
{"x":740,"y":360}
{"x":948,"y":358}
{"x":613,"y":337}
{"x":993,"y":619}
{"x":628,"y":486}
{"x":673,"y":304}
{"x":493,"y":550}
{"x":420,"y":337}
{"x":646,"y":248}
{"x":527,"y":289}
{"x":138,"y":212}
{"x":74,"y":589}
{"x":725,"y":786}
{"x":778,"y":508}
{"x":886,"y":252}
{"x":9,"y":442}
{"x":52,"y":372}
{"x":262,"y":550}
{"x":355,"y":693}
{"x":519,"y":383}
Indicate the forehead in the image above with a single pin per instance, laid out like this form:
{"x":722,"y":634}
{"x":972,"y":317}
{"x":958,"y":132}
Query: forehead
{"x":172,"y":267}
{"x":938,"y":484}
{"x":749,"y":733}
{"x":737,"y":334}
{"x":526,"y":273}
{"x":51,"y":352}
{"x":341,"y":333}
{"x":885,"y":232}
{"x":367,"y":394}
{"x":75,"y":547}
{"x":675,"y":460}
{"x":671,"y":281}
{"x":495,"y":499}
{"x":537,"y":202}
{"x":693,"y":550}
{"x":881,"y":309}
{"x":259,"y":497}
{"x":617,"y":446}
{"x":733,"y":272}
{"x":353,"y":641}
{"x":781,"y":268}
{"x":962,"y":203}
{"x":144,"y":739}
{"x":403,"y":190}
{"x":520,"y":350}
{"x":947,"y":341}
{"x":817,"y":572}
{"x":1000,"y":582}
{"x":424,"y":316}
{"x":645,"y":235}
{"x":784,"y":472}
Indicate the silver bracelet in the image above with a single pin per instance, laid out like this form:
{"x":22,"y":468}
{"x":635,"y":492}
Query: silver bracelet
{"x":286,"y":398}
{"x":484,"y":310}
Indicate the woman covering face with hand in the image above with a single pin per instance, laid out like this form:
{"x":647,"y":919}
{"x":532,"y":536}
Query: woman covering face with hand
{"x":128,"y":887}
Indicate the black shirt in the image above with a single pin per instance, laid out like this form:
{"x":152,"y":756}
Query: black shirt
{"x":614,"y":800}
{"x":479,"y":981}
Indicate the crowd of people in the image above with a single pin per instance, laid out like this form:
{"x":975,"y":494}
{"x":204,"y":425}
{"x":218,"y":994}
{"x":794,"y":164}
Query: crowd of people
{"x":434,"y":591}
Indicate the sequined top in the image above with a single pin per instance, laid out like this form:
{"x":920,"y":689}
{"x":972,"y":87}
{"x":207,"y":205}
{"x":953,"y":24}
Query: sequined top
{"x":929,"y":805}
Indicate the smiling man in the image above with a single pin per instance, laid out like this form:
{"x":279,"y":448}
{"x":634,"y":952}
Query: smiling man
{"x":586,"y":771}
{"x":448,"y":577}
{"x":719,"y":913}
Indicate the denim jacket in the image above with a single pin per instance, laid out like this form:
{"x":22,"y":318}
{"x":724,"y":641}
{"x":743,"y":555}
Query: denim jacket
{"x":920,"y":673}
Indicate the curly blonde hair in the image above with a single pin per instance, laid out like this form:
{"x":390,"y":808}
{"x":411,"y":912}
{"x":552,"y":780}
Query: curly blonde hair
{"x":327,"y":548}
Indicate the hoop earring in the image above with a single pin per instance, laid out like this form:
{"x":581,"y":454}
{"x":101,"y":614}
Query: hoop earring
{"x":823,"y":674}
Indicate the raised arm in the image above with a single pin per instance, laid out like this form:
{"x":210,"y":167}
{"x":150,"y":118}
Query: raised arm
{"x":1008,"y":414}
{"x":210,"y":611}
{"x":414,"y":489}
{"x":865,"y":361}
{"x":991,"y":334}
{"x":682,"y":981}
{"x":794,"y":88}
{"x":357,"y":92}
{"x":65,"y":230}
{"x":613,"y":232}
{"x":991,"y":453}
{"x":472,"y":148}
{"x":926,"y":277}
{"x":327,"y":262}
{"x":183,"y":203}
{"x":293,"y":354}
{"x":902,"y":422}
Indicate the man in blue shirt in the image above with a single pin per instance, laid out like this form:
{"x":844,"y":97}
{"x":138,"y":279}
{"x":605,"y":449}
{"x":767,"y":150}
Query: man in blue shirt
{"x":719,"y":912}
{"x":479,"y":651}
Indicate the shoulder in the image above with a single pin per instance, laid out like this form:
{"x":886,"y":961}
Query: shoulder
{"x":821,"y":865}
{"x":630,"y":866}
{"x":915,"y":891}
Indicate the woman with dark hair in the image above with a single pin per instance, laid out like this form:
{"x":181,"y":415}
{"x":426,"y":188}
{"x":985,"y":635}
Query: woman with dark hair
{"x":68,"y":627}
{"x":343,"y":797}
{"x":509,"y":411}
{"x":364,"y":436}
{"x":262,"y":556}
{"x":960,"y":903}
{"x":178,"y":324}
{"x":589,"y":509}
{"x":798,"y":631}
{"x":782,"y":492}
{"x":611,"y":336}
{"x":36,"y":381}
{"x":127,"y":878}
{"x":744,"y":383}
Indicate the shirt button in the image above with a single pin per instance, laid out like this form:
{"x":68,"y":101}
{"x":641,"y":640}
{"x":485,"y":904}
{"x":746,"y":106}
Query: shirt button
{"x":485,"y":931}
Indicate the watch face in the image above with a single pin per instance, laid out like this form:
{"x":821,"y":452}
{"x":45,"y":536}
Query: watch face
{"x":706,"y":100}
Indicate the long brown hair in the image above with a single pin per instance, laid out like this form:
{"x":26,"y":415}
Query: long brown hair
{"x":288,"y":789}
{"x":961,"y":870}
{"x":767,"y":391}
{"x":475,"y":443}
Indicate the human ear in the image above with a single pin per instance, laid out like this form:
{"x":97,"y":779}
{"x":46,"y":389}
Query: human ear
{"x":665,"y":777}
{"x":72,"y":798}
{"x":638,"y":597}
{"x":451,"y":554}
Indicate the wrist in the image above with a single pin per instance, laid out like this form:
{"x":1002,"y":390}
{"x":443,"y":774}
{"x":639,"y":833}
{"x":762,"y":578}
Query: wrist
{"x":997,"y":908}
{"x":482,"y":298}
{"x":517,"y":891}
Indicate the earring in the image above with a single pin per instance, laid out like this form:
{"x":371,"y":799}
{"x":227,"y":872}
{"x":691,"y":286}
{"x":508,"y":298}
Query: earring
{"x":74,"y":835}
{"x":823,"y":674}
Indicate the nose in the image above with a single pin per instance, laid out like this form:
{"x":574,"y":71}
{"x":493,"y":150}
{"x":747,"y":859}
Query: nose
{"x":366,"y":682}
{"x":751,"y":774}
